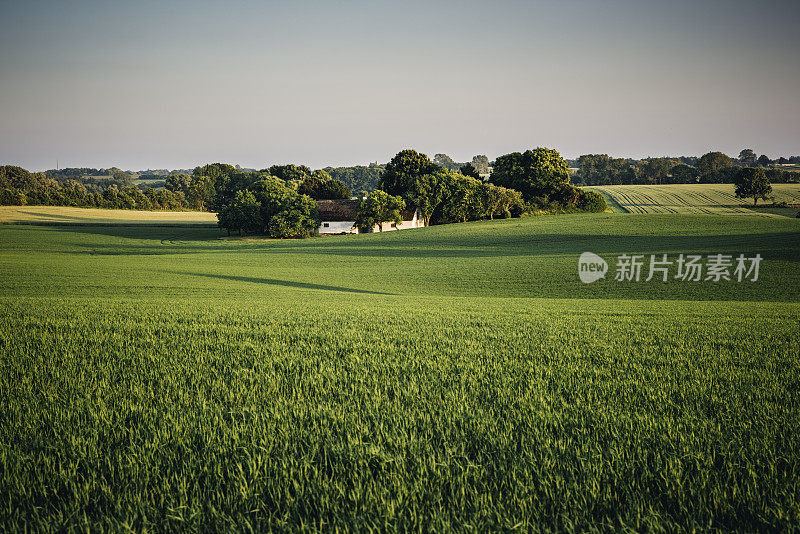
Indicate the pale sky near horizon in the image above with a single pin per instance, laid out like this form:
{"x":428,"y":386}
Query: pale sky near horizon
{"x":175,"y":84}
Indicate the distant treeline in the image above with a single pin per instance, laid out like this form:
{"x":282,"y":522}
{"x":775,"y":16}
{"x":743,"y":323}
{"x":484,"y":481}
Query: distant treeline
{"x":713,"y":167}
{"x":18,"y":187}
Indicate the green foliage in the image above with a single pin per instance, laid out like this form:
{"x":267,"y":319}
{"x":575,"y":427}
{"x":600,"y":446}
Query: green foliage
{"x":446,"y":162}
{"x":590,"y":201}
{"x":534,"y":173}
{"x":711,"y":164}
{"x":178,"y":182}
{"x":764,"y":161}
{"x":290,"y":172}
{"x":481,"y":164}
{"x":657,"y":170}
{"x":378,"y":208}
{"x":332,"y":190}
{"x":747,"y":156}
{"x":358,"y":178}
{"x":320,"y":186}
{"x":12,"y":197}
{"x":243,"y":214}
{"x":684,"y":174}
{"x":124,"y":178}
{"x":444,"y":196}
{"x":752,"y":182}
{"x":470,"y":170}
{"x":299,"y":218}
{"x":600,"y":169}
{"x":404,"y":173}
{"x":269,"y":206}
{"x":469,"y":199}
{"x":202,"y":192}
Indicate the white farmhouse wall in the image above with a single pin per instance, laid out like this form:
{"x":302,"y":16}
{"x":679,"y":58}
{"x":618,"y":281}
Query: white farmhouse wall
{"x":415,"y":222}
{"x":338,"y":227}
{"x":349,"y":227}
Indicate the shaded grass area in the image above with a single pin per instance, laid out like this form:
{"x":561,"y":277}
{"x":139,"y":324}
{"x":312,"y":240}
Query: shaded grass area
{"x":532,"y":258}
{"x":450,"y":378}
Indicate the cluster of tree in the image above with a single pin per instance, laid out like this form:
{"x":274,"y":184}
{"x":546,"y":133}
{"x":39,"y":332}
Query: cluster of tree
{"x":444,"y":196}
{"x":212,"y":186}
{"x":18,"y":187}
{"x":479,"y":164}
{"x":712,"y":167}
{"x":534,"y":180}
{"x":358,"y":178}
{"x":258,"y":203}
{"x":542,"y":176}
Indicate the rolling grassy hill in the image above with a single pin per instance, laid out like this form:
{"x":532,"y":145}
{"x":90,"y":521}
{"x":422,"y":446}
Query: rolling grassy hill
{"x":713,"y":199}
{"x":450,"y":377}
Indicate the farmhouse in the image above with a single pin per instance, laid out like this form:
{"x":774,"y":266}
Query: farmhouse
{"x":339,"y":217}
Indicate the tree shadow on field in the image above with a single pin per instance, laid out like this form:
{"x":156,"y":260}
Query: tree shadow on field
{"x":281,"y":283}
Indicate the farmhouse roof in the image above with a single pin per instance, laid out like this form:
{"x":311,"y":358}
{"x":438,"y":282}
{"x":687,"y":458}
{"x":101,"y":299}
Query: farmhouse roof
{"x":337,"y":210}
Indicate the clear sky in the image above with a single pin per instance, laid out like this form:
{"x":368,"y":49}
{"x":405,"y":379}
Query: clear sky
{"x":173,"y":84}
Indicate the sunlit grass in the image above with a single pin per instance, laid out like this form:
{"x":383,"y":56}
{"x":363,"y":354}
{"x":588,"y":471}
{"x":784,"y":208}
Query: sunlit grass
{"x":458,"y":377}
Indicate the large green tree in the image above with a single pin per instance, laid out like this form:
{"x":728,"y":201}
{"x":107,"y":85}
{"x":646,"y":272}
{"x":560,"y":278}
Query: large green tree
{"x":378,"y":208}
{"x":290,"y":172}
{"x":710,"y":165}
{"x":269,"y":206}
{"x":752,"y":182}
{"x":481,"y":164}
{"x":403,"y":171}
{"x":534,"y":173}
{"x":443,"y":160}
{"x":747,"y":156}
{"x":420,"y":182}
{"x":298,"y":218}
{"x":242,"y":214}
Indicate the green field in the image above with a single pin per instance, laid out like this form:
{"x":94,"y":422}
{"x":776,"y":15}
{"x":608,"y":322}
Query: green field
{"x":68,"y":216}
{"x":710,"y":199}
{"x":453,"y":377}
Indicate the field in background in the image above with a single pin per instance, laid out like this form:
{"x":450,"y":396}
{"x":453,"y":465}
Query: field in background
{"x":59,"y":215}
{"x":714,"y":199}
{"x":450,"y":377}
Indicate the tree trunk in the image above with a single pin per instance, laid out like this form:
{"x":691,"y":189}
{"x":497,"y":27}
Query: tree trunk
{"x":755,"y":201}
